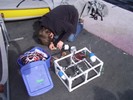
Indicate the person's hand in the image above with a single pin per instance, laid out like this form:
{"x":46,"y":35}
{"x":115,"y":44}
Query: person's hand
{"x":51,"y":46}
{"x":60,"y":45}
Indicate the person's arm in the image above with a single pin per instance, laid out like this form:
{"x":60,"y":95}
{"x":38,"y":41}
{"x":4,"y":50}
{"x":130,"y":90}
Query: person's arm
{"x":60,"y":44}
{"x":52,"y":46}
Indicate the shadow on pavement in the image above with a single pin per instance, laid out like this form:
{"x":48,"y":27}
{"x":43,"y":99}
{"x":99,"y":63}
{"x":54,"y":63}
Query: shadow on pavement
{"x":103,"y":94}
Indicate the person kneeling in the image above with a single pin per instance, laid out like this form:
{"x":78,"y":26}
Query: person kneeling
{"x":59,"y":24}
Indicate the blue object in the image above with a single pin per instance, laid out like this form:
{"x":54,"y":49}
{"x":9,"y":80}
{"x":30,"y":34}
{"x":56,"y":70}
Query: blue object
{"x":72,"y":37}
{"x":60,"y":73}
{"x":37,"y":78}
{"x":91,"y":54}
{"x":92,"y":57}
{"x":33,"y":49}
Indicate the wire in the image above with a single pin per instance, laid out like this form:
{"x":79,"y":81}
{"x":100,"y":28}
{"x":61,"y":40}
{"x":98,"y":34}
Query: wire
{"x":20,"y":3}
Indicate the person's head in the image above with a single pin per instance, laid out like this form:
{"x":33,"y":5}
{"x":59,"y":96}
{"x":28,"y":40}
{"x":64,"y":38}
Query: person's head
{"x":45,"y":36}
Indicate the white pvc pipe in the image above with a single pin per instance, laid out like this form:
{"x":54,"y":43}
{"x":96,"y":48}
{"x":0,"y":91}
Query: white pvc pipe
{"x":2,"y":96}
{"x":4,"y":57}
{"x":3,"y":52}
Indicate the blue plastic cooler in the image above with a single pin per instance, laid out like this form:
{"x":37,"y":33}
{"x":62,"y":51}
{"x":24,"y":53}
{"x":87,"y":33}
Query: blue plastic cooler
{"x":33,"y":49}
{"x":36,"y":75}
{"x":37,"y":78}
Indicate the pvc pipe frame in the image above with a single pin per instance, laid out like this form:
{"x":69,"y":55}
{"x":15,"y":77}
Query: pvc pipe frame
{"x":4,"y":57}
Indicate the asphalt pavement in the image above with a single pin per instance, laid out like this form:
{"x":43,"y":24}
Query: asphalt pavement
{"x":115,"y":83}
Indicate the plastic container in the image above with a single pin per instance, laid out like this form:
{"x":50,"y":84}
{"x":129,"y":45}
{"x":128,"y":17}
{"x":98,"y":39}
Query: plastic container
{"x":35,"y":74}
{"x":37,"y":78}
{"x":92,"y":57}
{"x":33,"y":49}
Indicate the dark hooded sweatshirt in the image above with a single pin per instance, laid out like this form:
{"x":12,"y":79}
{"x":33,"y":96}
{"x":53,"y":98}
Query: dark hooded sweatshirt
{"x":62,"y":21}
